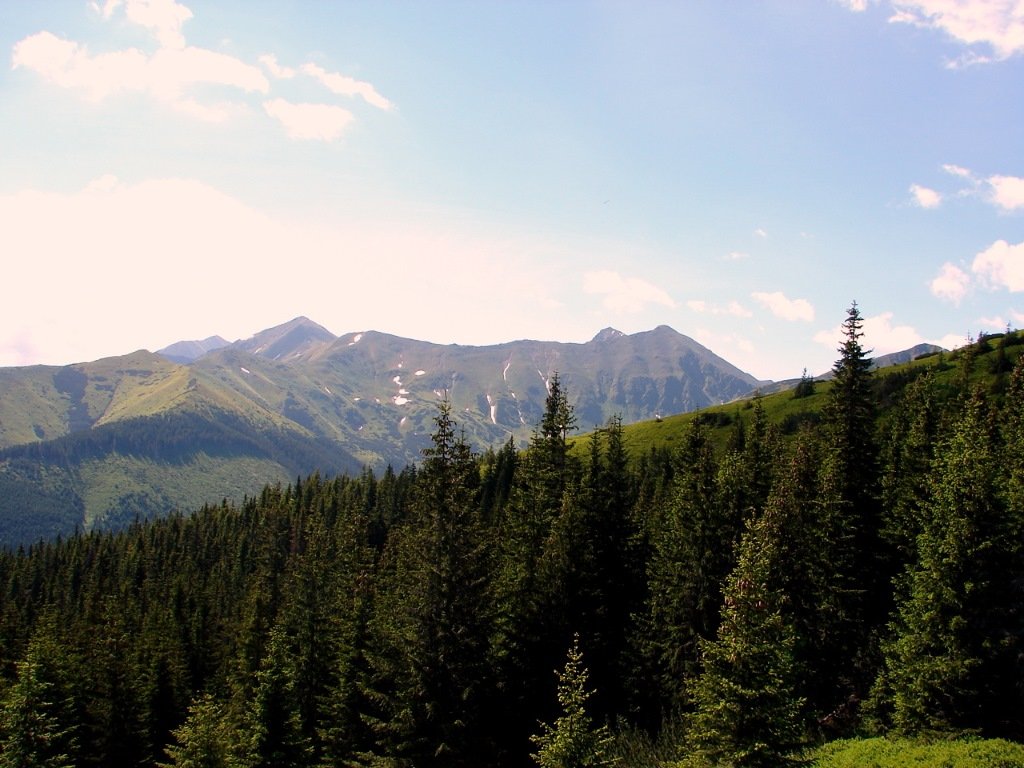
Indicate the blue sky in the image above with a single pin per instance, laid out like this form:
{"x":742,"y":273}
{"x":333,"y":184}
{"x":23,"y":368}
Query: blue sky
{"x":477,"y":172}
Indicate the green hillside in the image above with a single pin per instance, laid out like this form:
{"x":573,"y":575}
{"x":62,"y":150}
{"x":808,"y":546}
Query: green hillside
{"x":991,"y":359}
{"x":131,"y":468}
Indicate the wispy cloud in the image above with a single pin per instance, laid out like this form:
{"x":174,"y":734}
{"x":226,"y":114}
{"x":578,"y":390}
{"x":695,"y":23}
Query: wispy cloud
{"x":175,"y":73}
{"x":1004,"y":192}
{"x":957,"y":170}
{"x":950,"y":284}
{"x":168,"y":75}
{"x":787,"y":309}
{"x":735,"y":256}
{"x":343,"y":85}
{"x":624,"y":294}
{"x":993,"y":30}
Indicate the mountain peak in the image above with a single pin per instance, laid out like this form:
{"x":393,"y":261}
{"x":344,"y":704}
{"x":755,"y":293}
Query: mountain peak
{"x":607,"y":334}
{"x":287,"y":341}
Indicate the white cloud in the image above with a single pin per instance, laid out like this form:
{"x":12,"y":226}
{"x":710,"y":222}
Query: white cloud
{"x":733,"y":308}
{"x":925,"y":197}
{"x":996,"y":24}
{"x":952,"y":340}
{"x":1007,"y":192}
{"x":759,"y":232}
{"x":1001,"y":265}
{"x":1004,"y":192}
{"x":115,"y":250}
{"x":880,"y":335}
{"x":736,"y":256}
{"x":174,"y":73}
{"x":164,"y":18}
{"x":854,"y":5}
{"x":950,"y":284}
{"x":1017,"y":316}
{"x":343,"y":85}
{"x":269,"y":61}
{"x":624,"y":294}
{"x":884,"y":337}
{"x":167,"y":76}
{"x":736,"y":309}
{"x":997,"y":322}
{"x":325,"y":122}
{"x":781,"y":306}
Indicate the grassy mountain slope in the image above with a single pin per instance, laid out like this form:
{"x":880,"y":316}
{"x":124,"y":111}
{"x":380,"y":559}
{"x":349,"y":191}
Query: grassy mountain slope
{"x":787,"y":411}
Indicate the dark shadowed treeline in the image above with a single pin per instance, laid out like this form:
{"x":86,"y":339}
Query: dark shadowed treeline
{"x":744,"y":601}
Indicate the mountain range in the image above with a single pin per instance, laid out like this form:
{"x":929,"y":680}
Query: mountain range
{"x":101,"y":443}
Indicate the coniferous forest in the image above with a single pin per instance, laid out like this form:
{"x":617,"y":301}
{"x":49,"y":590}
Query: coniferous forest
{"x":734,"y":602}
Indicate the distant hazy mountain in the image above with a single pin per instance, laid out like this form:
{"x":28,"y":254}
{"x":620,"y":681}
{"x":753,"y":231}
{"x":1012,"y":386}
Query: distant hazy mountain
{"x":100,"y":443}
{"x":187,"y":351}
{"x":898,"y":358}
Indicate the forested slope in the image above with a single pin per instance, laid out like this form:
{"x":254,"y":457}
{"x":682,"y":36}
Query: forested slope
{"x":733,"y":597}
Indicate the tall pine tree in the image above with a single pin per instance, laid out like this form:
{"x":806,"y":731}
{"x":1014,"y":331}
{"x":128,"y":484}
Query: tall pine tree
{"x":748,"y":710}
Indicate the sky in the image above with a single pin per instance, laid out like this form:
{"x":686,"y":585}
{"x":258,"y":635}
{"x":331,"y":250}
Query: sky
{"x":476,"y":172}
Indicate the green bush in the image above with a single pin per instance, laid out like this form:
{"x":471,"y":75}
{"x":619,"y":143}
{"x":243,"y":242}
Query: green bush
{"x":900,"y":753}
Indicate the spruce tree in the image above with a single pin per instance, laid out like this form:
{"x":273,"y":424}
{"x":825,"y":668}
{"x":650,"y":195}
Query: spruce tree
{"x":851,"y":514}
{"x":747,"y":707}
{"x":203,"y":740}
{"x":850,"y":416}
{"x":573,"y":741}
